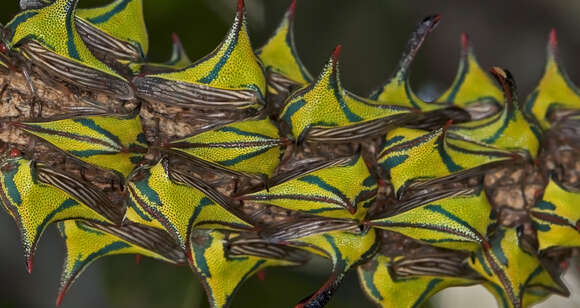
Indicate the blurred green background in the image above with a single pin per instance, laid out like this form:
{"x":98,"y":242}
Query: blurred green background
{"x":510,"y":34}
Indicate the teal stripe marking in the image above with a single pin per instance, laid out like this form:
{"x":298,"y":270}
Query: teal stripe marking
{"x":243,"y":133}
{"x":79,"y":263}
{"x":460,"y":80}
{"x":337,"y":254}
{"x":447,"y":160}
{"x":394,"y":161}
{"x":110,"y":14}
{"x":213,"y":74}
{"x":199,"y":255}
{"x":202,"y":204}
{"x":90,"y":153}
{"x":496,"y":248}
{"x":545,"y":205}
{"x":144,"y":189}
{"x":140,"y":213}
{"x":315,"y":180}
{"x":439,"y":209}
{"x":481,"y":259}
{"x":19,"y":19}
{"x":393,"y":141}
{"x":92,"y":125}
{"x":541,"y":227}
{"x":66,"y":204}
{"x":368,"y":280}
{"x":291,"y":110}
{"x":500,"y":293}
{"x":430,"y":286}
{"x":11,"y":186}
{"x":498,"y":133}
{"x":69,"y":22}
{"x":290,"y":44}
{"x":244,"y":278}
{"x":242,"y":157}
{"x":341,"y":103}
{"x":87,"y":229}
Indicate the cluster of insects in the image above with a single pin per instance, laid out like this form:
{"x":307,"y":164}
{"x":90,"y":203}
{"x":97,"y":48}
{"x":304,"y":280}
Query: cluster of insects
{"x":242,"y":160}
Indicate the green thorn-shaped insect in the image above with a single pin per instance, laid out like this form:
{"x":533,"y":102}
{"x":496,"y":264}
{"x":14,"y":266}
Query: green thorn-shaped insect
{"x":555,"y":90}
{"x":116,"y":30}
{"x":177,"y":61}
{"x":86,"y":243}
{"x":280,"y":57}
{"x":403,"y":282}
{"x":223,"y":265}
{"x":246,"y":147}
{"x":508,"y":129}
{"x":397,"y":90}
{"x":557,"y":217}
{"x":230,"y":77}
{"x":458,"y":222}
{"x":48,"y":37}
{"x":323,"y":191}
{"x":343,"y":242}
{"x":472,"y":85}
{"x":181,"y":203}
{"x":36,"y":196}
{"x":414,"y":157}
{"x":508,"y":268}
{"x":324,"y":111}
{"x":110,"y":142}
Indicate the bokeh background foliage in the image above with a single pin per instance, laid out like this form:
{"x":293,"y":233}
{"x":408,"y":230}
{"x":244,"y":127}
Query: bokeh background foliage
{"x":509,"y":34}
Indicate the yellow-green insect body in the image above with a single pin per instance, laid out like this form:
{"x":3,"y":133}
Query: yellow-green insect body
{"x":389,"y":291}
{"x":343,"y":248}
{"x":411,"y":155}
{"x":111,"y":142}
{"x":507,"y":267}
{"x":34,"y":204}
{"x":117,"y":28}
{"x":557,"y":217}
{"x":397,"y":90}
{"x":325,"y":192}
{"x":324,"y":111}
{"x":280,"y":57}
{"x":85,"y":245}
{"x":554,"y":91}
{"x":247,"y":147}
{"x":472,"y":84}
{"x":508,"y":129}
{"x":178,"y":60}
{"x":222,"y":272}
{"x":48,"y":37}
{"x":457,"y":222}
{"x":230,"y":77}
{"x":180,"y":208}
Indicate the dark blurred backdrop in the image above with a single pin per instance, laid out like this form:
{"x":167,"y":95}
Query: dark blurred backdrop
{"x":510,"y":34}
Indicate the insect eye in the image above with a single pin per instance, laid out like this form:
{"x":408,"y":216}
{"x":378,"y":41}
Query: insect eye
{"x":3,"y":48}
{"x":14,"y":153}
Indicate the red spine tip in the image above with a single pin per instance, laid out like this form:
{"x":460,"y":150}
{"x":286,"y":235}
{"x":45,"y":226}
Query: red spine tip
{"x":261,"y":275}
{"x":436,"y":18}
{"x":14,"y":153}
{"x":174,"y":38}
{"x":29,"y":264}
{"x":447,"y":125}
{"x":189,"y":255}
{"x":138,"y":259}
{"x":336,"y":52}
{"x":60,"y":297}
{"x":240,"y":7}
{"x":464,"y":41}
{"x":553,"y":39}
{"x":292,"y":9}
